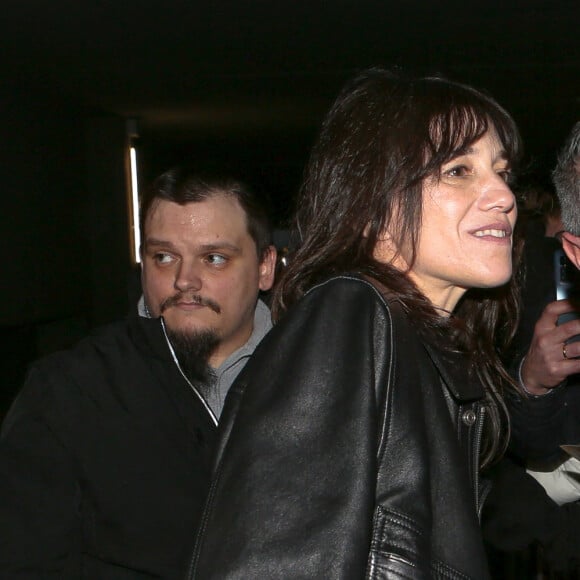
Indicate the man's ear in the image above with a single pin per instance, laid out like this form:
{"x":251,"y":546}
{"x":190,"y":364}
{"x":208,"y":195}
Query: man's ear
{"x":571,"y":245}
{"x":268,"y":269}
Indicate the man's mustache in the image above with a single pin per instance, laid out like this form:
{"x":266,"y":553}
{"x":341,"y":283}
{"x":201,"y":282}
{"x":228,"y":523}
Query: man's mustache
{"x":196,"y":298}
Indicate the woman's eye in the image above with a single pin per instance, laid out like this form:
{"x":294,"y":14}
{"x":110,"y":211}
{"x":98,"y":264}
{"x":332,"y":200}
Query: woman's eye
{"x":216,"y":259}
{"x":457,"y":171}
{"x":505,"y":174}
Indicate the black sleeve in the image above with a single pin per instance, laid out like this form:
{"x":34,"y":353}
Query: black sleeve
{"x":518,"y":513}
{"x":539,"y":425}
{"x":293,"y":493}
{"x":38,"y":490}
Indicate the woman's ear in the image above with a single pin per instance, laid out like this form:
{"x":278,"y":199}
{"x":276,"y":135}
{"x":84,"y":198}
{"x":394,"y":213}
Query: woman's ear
{"x":383,"y":236}
{"x":386,"y":251}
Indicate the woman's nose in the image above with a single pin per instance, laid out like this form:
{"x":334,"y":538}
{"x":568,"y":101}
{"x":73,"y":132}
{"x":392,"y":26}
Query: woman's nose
{"x":498,"y":195}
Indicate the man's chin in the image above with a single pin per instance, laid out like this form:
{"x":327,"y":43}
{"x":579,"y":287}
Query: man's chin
{"x":193,"y":349}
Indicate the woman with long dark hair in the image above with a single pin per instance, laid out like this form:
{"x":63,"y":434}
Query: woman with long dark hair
{"x":351,"y":445}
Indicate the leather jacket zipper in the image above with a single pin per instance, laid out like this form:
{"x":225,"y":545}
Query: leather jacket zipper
{"x":477,"y":447}
{"x":192,"y":387}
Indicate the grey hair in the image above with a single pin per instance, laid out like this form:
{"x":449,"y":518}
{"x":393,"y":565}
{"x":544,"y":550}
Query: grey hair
{"x":566,"y":178}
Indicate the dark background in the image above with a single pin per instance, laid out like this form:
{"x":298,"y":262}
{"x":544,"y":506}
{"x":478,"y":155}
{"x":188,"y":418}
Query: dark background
{"x":234,"y":86}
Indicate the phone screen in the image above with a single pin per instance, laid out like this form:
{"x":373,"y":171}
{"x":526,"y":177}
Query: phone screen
{"x":567,"y":278}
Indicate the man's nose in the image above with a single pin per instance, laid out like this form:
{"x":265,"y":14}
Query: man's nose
{"x":188,"y":276}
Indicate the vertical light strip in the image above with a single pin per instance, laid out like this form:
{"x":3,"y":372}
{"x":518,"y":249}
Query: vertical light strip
{"x":135,"y":204}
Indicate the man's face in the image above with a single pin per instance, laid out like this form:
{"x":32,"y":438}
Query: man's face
{"x":201,"y":270}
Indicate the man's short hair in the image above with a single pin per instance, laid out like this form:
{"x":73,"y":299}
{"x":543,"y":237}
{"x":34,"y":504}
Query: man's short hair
{"x":566,"y":178}
{"x":181,"y":187}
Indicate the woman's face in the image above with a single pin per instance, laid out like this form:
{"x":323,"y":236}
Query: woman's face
{"x":468,"y":218}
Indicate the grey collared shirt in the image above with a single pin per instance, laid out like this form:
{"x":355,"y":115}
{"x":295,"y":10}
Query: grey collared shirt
{"x":226,"y":373}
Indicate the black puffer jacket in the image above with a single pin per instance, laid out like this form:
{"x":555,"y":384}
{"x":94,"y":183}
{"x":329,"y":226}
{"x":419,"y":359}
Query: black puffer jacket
{"x":348,"y":450}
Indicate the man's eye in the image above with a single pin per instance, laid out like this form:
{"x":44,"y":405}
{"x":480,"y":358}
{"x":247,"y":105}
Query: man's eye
{"x":216,"y":259}
{"x":162,"y":258}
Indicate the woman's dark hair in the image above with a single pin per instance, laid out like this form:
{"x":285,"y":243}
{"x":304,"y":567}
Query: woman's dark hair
{"x":179,"y":186}
{"x":383,"y":136}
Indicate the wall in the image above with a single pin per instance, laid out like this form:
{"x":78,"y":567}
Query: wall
{"x":62,"y":225}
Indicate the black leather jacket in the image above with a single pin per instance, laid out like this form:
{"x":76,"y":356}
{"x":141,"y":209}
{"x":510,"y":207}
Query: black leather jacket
{"x":353,"y":454}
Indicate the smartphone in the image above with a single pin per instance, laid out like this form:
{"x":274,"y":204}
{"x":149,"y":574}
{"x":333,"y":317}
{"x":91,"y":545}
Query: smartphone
{"x":567,"y":278}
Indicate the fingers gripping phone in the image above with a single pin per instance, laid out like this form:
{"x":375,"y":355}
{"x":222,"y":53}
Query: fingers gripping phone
{"x":567,"y":278}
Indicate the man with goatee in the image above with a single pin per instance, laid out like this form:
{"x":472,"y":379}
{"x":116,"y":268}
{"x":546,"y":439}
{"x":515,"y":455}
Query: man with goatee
{"x":105,"y":456}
